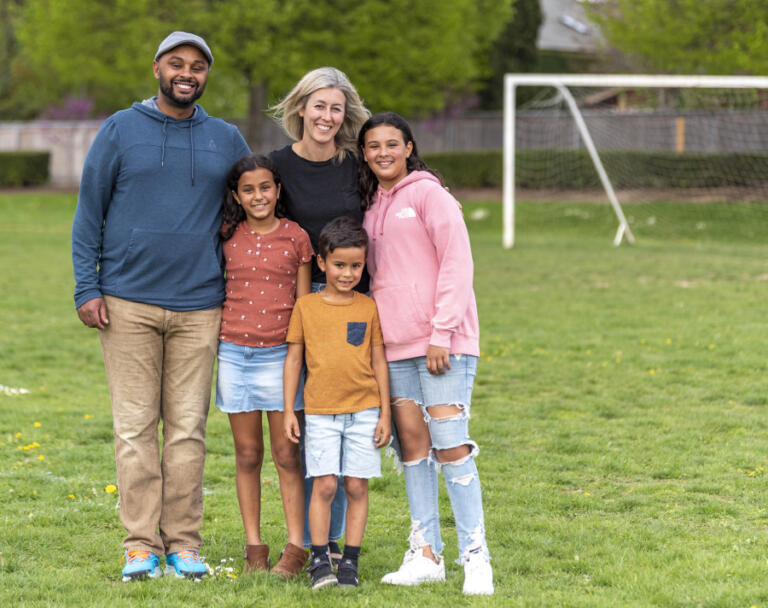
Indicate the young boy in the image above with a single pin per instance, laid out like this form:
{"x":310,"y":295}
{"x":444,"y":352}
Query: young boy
{"x":346,"y":394}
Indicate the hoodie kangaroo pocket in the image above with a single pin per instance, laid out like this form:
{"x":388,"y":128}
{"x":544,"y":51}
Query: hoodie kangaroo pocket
{"x":169,"y":265}
{"x":401,"y":314}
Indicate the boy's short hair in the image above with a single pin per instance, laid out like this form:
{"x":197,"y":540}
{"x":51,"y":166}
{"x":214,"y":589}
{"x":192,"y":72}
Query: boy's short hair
{"x":343,"y":231}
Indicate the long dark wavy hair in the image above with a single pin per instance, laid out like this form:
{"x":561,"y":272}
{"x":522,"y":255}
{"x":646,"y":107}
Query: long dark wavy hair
{"x":232,"y":213}
{"x":367,"y":184}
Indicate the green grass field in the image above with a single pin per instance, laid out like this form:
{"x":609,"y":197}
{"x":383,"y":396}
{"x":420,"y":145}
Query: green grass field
{"x":620,"y":408}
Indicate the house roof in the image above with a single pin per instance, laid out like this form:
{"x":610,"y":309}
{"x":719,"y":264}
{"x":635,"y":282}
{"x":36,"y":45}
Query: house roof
{"x":565,"y":27}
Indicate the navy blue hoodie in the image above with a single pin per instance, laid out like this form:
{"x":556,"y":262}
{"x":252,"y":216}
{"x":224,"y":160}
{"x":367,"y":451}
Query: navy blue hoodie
{"x":149,"y":209}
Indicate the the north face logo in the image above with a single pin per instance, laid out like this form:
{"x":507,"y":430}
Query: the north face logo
{"x":405,"y":213}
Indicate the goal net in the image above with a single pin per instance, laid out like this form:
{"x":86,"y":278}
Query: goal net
{"x":653,"y":156}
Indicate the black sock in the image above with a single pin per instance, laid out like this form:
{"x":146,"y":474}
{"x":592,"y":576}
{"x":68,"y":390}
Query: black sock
{"x":352,"y":553}
{"x":333,"y":547}
{"x":319,"y":551}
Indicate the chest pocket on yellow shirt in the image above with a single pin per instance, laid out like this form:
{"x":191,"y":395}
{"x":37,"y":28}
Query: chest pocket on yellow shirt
{"x":356,"y":332}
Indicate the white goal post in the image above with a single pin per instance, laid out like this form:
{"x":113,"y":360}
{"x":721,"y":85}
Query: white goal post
{"x":561,"y":82}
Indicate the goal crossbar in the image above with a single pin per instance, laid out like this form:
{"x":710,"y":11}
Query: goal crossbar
{"x":561,"y":82}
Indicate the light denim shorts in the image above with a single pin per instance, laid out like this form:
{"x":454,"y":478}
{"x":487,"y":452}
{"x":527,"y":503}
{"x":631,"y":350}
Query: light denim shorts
{"x":250,"y":378}
{"x":342,"y":444}
{"x":409,"y":379}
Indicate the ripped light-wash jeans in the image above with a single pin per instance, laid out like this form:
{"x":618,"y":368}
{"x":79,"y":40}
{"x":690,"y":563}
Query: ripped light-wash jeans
{"x":410,"y":380}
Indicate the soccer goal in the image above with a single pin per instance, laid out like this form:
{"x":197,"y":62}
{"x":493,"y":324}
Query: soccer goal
{"x":627,"y":139}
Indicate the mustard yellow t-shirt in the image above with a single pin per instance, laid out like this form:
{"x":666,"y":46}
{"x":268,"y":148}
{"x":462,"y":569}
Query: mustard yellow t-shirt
{"x":337,"y":338}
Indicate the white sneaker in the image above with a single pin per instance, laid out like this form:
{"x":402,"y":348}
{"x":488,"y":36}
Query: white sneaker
{"x":478,"y":575}
{"x":416,"y":569}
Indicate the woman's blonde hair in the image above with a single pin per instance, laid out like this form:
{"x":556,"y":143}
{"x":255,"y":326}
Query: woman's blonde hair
{"x":286,"y":112}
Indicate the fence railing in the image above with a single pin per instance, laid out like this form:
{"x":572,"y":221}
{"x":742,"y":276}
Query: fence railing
{"x":69,"y":141}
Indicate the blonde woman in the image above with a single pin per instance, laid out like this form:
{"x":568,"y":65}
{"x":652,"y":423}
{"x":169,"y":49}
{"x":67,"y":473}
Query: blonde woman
{"x":322,"y":114}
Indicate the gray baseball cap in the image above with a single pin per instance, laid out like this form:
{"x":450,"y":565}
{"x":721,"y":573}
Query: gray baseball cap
{"x":178,"y":38}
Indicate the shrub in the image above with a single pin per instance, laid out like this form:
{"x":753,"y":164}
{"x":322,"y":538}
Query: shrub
{"x":573,"y":169}
{"x":24,"y":168}
{"x":468,"y":169}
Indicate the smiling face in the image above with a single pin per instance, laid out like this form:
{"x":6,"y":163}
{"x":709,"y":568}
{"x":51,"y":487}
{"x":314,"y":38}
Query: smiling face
{"x":386,"y":152}
{"x":323,"y":115}
{"x":343,"y":268}
{"x":182,"y":73}
{"x":257,"y":194}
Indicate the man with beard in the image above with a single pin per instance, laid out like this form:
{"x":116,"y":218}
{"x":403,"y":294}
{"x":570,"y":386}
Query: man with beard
{"x":148,"y":274}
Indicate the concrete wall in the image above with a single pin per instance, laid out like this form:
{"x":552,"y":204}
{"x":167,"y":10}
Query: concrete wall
{"x":67,"y":141}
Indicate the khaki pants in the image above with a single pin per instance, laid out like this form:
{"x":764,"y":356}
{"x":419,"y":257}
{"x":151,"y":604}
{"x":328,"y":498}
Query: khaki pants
{"x":159,"y":367}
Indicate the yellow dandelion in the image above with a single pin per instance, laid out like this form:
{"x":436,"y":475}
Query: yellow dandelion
{"x":111,"y":489}
{"x":669,"y":340}
{"x":41,"y":457}
{"x":751,"y":473}
{"x":588,"y":351}
{"x":587,"y":494}
{"x":88,"y":416}
{"x":18,"y":435}
{"x":651,"y":371}
{"x":711,"y":346}
{"x":71,"y":496}
{"x":618,"y":359}
{"x":37,"y":425}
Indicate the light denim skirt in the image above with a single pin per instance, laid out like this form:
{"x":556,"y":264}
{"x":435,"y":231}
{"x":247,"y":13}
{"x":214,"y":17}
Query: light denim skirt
{"x":250,"y":378}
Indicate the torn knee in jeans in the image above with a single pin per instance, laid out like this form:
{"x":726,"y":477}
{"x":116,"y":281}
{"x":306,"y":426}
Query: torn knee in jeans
{"x":413,"y":463}
{"x":474,"y":450}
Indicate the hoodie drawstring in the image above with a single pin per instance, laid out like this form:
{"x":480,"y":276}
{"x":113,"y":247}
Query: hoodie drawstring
{"x":192,"y":152}
{"x":165,"y":136}
{"x":191,"y":148}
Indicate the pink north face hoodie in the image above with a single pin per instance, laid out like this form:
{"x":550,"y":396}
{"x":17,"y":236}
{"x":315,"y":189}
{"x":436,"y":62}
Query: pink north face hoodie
{"x":420,"y":262}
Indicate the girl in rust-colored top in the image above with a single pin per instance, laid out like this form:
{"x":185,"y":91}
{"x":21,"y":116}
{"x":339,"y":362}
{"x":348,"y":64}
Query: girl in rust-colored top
{"x":268,"y":265}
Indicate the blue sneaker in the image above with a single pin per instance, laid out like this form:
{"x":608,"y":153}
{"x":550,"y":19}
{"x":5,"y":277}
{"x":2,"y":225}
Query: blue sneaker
{"x":140,"y":565}
{"x":185,"y":564}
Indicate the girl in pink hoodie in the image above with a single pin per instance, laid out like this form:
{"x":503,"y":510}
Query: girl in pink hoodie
{"x":420,"y":263}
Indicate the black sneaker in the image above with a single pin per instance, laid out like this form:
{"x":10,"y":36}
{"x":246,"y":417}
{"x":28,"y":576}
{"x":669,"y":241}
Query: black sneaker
{"x":347,"y":574}
{"x":321,"y":573}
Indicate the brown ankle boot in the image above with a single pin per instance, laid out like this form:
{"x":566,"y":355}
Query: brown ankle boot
{"x":256,"y":558}
{"x":291,"y":561}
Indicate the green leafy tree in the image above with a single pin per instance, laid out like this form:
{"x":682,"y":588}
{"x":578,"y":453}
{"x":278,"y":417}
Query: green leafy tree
{"x":98,"y":50}
{"x":410,"y":57}
{"x":688,"y":36}
{"x":513,"y":51}
{"x":7,"y":52}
